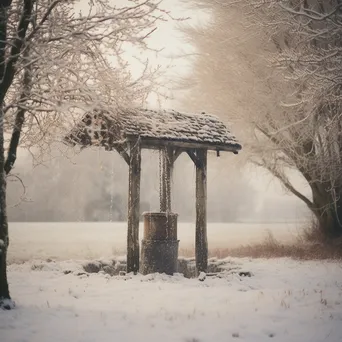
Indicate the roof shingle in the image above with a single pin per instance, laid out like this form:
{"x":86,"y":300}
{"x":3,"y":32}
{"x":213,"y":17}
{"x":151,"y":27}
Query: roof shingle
{"x":103,"y":129}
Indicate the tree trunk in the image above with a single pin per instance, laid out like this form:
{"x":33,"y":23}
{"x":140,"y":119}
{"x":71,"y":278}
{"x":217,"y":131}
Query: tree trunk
{"x":5,"y":299}
{"x":4,"y":241}
{"x":328,"y":211}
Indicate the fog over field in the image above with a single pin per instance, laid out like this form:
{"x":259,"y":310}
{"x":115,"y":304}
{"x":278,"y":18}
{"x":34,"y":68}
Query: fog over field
{"x":93,"y":185}
{"x":81,"y":241}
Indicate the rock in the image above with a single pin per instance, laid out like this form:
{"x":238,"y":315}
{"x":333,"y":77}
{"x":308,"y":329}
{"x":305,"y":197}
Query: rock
{"x":92,"y":267}
{"x":202,"y":276}
{"x":245,"y":274}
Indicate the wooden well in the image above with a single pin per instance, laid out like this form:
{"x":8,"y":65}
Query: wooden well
{"x":160,"y":226}
{"x":172,"y":133}
{"x":159,"y":249}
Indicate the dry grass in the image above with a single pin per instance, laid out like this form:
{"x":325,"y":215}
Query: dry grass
{"x":310,"y":233}
{"x":303,"y":249}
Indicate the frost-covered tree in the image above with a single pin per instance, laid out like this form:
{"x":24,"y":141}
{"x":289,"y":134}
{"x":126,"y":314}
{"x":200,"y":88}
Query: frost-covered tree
{"x":275,"y":68}
{"x":58,"y":59}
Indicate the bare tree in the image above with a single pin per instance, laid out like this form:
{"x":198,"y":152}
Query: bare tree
{"x":275,"y":67}
{"x":55,"y":64}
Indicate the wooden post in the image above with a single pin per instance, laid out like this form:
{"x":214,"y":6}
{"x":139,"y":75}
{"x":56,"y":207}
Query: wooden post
{"x":201,"y":244}
{"x":165,"y":181}
{"x":133,"y":208}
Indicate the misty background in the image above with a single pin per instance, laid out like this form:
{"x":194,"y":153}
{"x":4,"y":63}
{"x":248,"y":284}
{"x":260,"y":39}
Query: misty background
{"x":92,"y":185}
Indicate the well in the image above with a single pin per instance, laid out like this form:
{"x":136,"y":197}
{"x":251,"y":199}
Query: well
{"x":159,"y":248}
{"x":171,"y":133}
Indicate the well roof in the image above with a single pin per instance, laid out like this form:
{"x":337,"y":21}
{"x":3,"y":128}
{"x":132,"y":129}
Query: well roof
{"x":154,"y":129}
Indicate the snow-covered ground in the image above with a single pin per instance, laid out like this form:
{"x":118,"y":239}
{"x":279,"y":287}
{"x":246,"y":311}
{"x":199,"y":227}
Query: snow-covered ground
{"x":104,"y":239}
{"x":284,"y":301}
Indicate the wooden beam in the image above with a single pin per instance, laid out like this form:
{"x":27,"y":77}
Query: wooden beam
{"x":165,"y":181}
{"x":123,"y":153}
{"x":201,"y":243}
{"x":194,"y":157}
{"x":133,"y":207}
{"x":177,"y":152}
{"x":153,"y":143}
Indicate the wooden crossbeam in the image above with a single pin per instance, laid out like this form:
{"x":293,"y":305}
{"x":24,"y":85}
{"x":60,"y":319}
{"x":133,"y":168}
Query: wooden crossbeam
{"x":123,"y":153}
{"x":177,"y":152}
{"x":194,"y":157}
{"x":154,"y":143}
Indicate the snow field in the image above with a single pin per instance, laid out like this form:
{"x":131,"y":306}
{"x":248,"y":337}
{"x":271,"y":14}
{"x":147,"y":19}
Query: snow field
{"x":283,"y":301}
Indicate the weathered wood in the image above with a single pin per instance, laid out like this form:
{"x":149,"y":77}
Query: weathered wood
{"x":177,"y":152}
{"x":159,"y":248}
{"x":160,"y":226}
{"x":166,"y":175}
{"x":133,"y":207}
{"x":159,"y":256}
{"x":201,"y":244}
{"x":155,"y":144}
{"x":123,"y":153}
{"x":194,"y":157}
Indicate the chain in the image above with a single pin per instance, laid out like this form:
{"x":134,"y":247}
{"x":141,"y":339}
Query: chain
{"x":160,"y":178}
{"x":168,"y":179}
{"x":164,"y":179}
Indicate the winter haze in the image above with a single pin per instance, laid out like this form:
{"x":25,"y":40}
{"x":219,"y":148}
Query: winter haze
{"x":92,"y":185}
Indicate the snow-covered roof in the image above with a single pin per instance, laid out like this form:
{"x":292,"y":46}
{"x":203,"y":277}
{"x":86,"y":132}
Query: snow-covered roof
{"x":154,"y":128}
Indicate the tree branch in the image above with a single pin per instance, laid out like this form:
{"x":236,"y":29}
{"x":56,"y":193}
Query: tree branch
{"x":19,"y":119}
{"x":286,"y":183}
{"x":16,"y":49}
{"x":311,"y":14}
{"x":45,"y":17}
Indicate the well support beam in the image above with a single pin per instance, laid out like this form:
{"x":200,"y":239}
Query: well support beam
{"x":133,"y":207}
{"x":192,"y":154}
{"x":165,"y":178}
{"x":201,"y":243}
{"x":123,"y":153}
{"x":177,"y":152}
